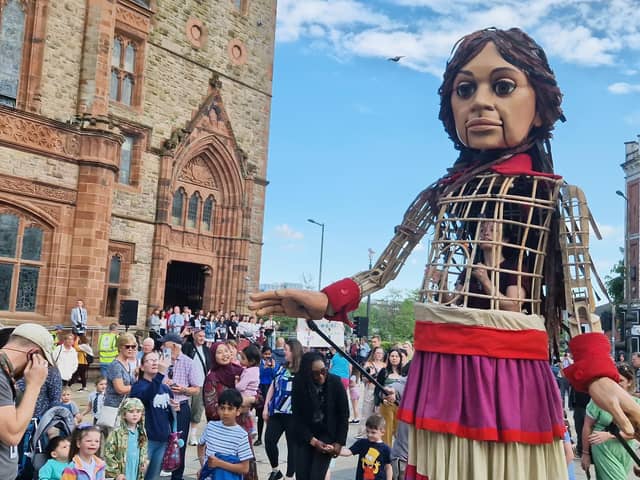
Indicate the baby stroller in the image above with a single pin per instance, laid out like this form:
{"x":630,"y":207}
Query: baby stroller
{"x":35,"y":454}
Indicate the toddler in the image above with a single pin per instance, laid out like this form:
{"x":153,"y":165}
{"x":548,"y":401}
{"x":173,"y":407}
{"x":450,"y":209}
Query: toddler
{"x":58,"y":453}
{"x":126,"y":448}
{"x":66,"y":402}
{"x":247,"y":384}
{"x":85,"y":464}
{"x":374,"y":456}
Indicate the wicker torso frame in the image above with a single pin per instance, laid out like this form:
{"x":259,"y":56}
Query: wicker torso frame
{"x":518,"y":210}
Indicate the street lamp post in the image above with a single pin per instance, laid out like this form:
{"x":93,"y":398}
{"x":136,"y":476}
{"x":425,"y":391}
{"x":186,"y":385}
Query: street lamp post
{"x":321,"y":225}
{"x":627,"y":286}
{"x":371,"y":254}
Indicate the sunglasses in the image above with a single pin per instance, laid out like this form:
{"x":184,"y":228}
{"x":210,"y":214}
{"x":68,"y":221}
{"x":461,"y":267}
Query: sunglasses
{"x":130,"y":347}
{"x":319,"y":373}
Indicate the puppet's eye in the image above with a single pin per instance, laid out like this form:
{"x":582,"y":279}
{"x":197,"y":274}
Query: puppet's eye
{"x":504,"y":87}
{"x":465,"y":89}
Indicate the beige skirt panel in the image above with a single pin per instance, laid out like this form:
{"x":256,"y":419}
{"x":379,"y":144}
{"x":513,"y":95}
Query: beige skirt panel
{"x":475,"y":317}
{"x":439,"y":456}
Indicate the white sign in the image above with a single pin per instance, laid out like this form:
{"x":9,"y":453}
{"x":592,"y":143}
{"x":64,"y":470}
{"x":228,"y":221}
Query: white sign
{"x":309,"y":338}
{"x":635,"y":329}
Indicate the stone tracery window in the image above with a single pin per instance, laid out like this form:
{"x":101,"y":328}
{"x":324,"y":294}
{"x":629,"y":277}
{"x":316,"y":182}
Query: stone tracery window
{"x":207,"y":213}
{"x":192,"y":210}
{"x":178,"y":206}
{"x":113,"y":286}
{"x":21,"y":262}
{"x":12,"y":27}
{"x":125,"y":59}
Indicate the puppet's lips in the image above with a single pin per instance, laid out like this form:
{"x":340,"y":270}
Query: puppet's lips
{"x":482,"y":123}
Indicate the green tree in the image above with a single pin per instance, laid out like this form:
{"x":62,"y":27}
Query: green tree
{"x":615,"y":283}
{"x":392,"y":317}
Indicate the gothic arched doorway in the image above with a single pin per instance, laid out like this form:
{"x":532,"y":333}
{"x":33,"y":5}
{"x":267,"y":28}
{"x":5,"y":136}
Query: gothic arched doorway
{"x":184,"y":285}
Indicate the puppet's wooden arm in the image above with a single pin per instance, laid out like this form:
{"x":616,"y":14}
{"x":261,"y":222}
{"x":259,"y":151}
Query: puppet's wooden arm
{"x":417,"y":220}
{"x":577,"y":263}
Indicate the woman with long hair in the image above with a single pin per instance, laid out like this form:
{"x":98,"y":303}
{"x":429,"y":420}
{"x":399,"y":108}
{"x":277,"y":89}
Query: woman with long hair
{"x":611,"y":460}
{"x":392,"y":376}
{"x":373,"y":365}
{"x":277,"y":412}
{"x":320,"y":416}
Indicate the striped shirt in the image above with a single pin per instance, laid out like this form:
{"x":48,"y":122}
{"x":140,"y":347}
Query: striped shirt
{"x":226,"y":440}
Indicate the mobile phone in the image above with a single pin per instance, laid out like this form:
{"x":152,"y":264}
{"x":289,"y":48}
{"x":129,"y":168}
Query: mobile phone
{"x":166,"y":352}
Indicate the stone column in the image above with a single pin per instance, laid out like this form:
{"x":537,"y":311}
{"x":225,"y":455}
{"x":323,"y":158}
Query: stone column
{"x":98,"y":167}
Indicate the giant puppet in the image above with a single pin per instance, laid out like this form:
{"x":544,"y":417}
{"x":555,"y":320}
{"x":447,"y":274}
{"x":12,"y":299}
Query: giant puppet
{"x":509,"y":262}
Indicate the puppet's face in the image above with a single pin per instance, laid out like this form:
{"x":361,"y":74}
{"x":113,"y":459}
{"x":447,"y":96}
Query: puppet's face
{"x":493,"y":104}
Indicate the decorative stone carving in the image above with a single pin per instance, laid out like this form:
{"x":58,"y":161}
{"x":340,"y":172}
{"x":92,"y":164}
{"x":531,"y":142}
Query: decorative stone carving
{"x":36,"y":189}
{"x":34,"y":135}
{"x":197,"y":172}
{"x":133,"y":19}
{"x":190,"y":240}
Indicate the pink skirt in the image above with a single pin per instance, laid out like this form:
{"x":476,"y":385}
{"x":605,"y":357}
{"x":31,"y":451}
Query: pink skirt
{"x":482,"y":375}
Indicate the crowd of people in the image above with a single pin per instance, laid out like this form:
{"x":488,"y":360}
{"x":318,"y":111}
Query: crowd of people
{"x":252,"y":394}
{"x":249,"y":391}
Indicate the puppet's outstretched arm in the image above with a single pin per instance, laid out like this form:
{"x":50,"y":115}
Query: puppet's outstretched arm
{"x":593,"y":369}
{"x":338,"y":299}
{"x":578,"y":268}
{"x":417,"y":220}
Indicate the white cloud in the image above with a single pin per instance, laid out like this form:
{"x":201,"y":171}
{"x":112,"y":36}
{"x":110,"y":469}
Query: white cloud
{"x":583,"y":32}
{"x":285,"y":231}
{"x":614,"y":232}
{"x":622,"y":88}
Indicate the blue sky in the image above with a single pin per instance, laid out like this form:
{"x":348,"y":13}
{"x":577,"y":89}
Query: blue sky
{"x":354,"y":137}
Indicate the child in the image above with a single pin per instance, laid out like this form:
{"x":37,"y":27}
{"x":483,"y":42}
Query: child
{"x":249,"y":380}
{"x":224,"y":444}
{"x":85,"y":465}
{"x":66,"y":402}
{"x":58,"y":453}
{"x":374,"y":456}
{"x":126,"y":448}
{"x":247,"y":384}
{"x":96,"y":399}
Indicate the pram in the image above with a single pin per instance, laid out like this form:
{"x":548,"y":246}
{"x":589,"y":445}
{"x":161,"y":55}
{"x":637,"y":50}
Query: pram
{"x":36,"y":439}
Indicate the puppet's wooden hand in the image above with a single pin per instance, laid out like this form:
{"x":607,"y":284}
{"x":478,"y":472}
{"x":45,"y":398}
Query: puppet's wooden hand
{"x":611,"y":397}
{"x":291,"y":303}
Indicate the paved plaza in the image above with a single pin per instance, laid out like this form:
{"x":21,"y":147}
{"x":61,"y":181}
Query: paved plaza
{"x":344,"y":468}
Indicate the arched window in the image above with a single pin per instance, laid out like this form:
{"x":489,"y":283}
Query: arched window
{"x":113,"y":286}
{"x":21,"y":247}
{"x":178,"y":205}
{"x":207,"y":213}
{"x":192,"y":210}
{"x":12,"y":26}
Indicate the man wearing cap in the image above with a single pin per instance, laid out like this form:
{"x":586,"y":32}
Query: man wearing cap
{"x":185,"y":381}
{"x":25,"y":355}
{"x":58,"y":335}
{"x":201,"y":356}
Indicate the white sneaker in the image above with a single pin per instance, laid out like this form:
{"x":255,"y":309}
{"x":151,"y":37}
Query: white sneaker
{"x":165,"y":474}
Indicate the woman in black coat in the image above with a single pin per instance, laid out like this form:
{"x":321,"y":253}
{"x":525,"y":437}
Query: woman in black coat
{"x":320,"y":417}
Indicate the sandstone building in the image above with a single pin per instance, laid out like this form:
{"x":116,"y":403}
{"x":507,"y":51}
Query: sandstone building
{"x":133,"y":152}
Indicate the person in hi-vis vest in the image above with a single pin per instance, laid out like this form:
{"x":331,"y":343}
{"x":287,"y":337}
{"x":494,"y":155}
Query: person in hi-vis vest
{"x":108,"y":348}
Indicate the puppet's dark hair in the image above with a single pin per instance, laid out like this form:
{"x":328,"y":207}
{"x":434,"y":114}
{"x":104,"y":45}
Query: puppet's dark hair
{"x":519,"y":49}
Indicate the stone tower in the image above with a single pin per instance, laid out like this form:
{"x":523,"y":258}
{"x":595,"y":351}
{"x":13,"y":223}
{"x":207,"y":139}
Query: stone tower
{"x":133,"y":154}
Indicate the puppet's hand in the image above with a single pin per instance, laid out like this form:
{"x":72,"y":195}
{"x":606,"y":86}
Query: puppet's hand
{"x":290,"y":302}
{"x":611,"y":397}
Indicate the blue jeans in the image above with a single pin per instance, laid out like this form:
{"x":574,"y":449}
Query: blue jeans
{"x":103,"y":369}
{"x":155,"y":453}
